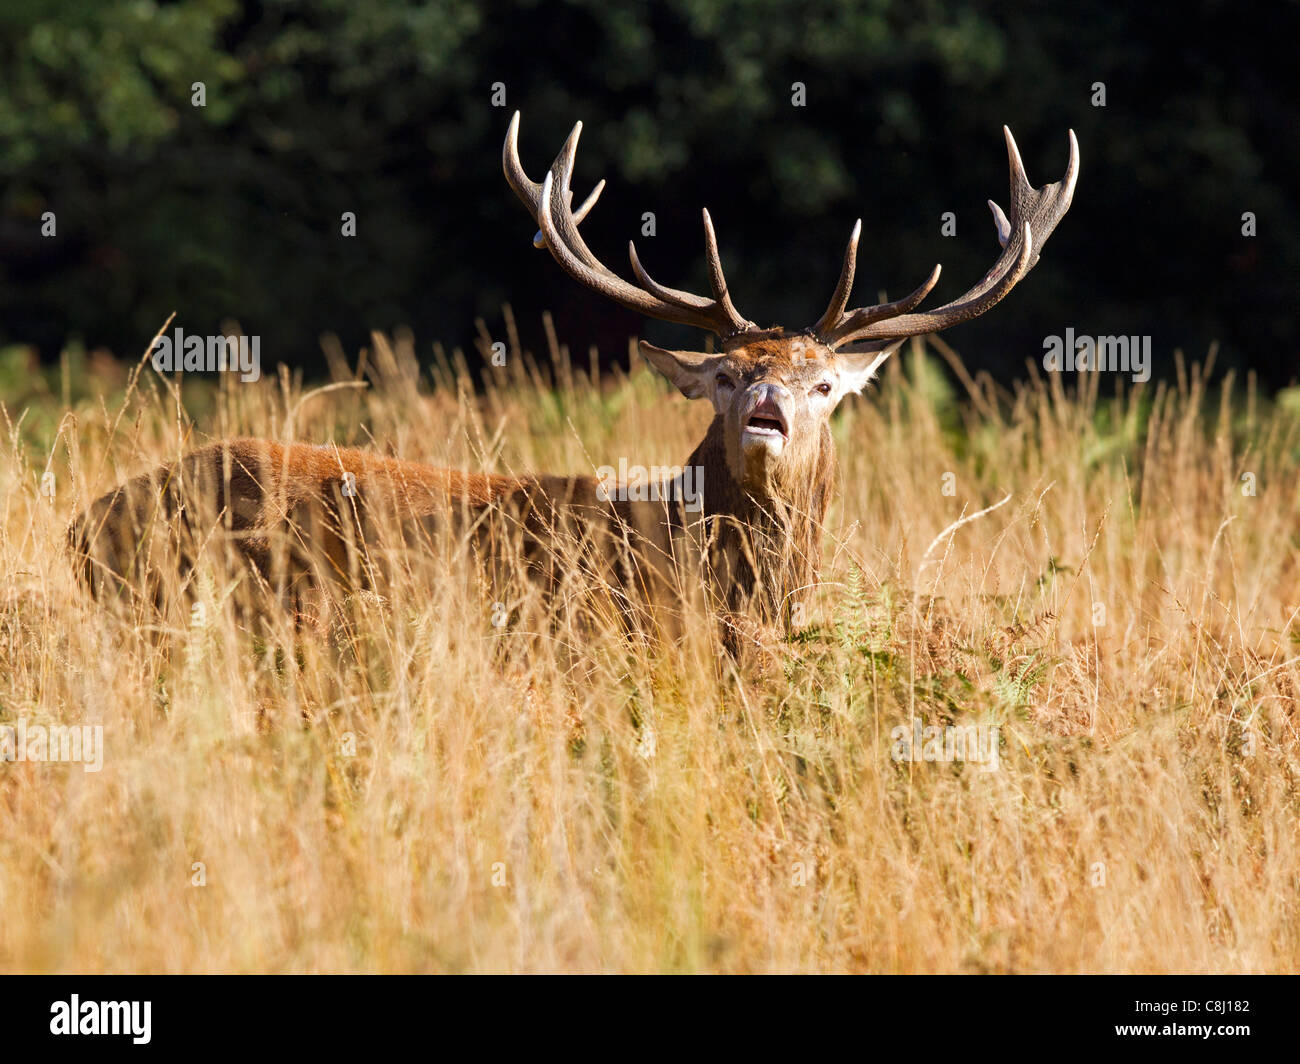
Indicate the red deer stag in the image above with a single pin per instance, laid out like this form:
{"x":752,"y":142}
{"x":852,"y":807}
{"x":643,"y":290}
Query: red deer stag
{"x":767,"y":460}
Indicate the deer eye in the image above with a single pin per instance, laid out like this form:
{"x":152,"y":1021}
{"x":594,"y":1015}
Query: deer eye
{"x":823,"y":389}
{"x":723,"y":381}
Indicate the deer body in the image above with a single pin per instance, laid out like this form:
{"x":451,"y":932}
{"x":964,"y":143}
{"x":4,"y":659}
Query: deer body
{"x":309,"y":517}
{"x":304,"y":515}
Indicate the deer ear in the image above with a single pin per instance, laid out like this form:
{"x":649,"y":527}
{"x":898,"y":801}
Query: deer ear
{"x":689,"y":370}
{"x":858,"y":368}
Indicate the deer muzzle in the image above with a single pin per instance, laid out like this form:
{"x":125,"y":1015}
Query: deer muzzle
{"x":765,"y":418}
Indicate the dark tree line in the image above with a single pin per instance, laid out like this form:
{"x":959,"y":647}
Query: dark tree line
{"x":233,"y":210}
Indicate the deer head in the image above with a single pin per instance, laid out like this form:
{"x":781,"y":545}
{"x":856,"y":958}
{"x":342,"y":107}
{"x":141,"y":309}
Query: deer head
{"x":773,"y":390}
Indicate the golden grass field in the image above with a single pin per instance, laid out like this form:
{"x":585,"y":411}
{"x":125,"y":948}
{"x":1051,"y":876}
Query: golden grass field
{"x":417,"y":790}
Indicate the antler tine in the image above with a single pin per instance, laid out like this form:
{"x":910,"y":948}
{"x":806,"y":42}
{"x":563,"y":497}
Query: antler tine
{"x":598,"y":279}
{"x":550,"y":204}
{"x":668,"y":295}
{"x":718,"y":281}
{"x":589,"y":202}
{"x":580,"y":213}
{"x":732,"y":320}
{"x":529,"y":191}
{"x":566,"y":222}
{"x":1034,"y":214}
{"x":517,"y":178}
{"x":843,"y":287}
{"x":851,"y":324}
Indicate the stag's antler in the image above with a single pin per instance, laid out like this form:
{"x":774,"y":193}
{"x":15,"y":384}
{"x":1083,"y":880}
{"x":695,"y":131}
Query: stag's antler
{"x":550,"y":204}
{"x":1034,"y":214}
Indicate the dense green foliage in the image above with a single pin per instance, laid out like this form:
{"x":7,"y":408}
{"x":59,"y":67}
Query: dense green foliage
{"x":232,"y":211}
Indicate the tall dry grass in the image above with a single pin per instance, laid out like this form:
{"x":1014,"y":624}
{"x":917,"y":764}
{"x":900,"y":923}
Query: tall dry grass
{"x":418,"y":790}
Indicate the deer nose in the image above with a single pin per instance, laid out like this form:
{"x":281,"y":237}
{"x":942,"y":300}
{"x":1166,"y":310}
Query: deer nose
{"x":768,"y":395}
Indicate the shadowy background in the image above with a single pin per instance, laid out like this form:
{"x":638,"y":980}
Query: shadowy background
{"x":232,"y":211}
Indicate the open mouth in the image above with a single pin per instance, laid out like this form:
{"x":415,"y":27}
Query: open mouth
{"x":766,"y":420}
{"x":764,"y":426}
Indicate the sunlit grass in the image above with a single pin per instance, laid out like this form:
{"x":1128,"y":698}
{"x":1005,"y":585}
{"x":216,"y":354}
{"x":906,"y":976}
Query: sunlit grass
{"x":418,"y":790}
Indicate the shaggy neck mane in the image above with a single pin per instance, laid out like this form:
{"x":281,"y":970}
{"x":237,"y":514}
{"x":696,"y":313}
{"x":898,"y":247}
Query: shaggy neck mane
{"x":764,"y":550}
